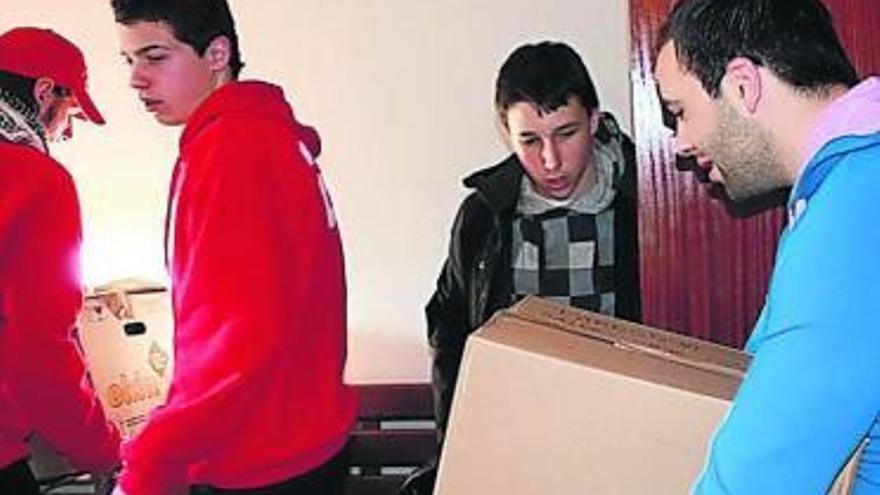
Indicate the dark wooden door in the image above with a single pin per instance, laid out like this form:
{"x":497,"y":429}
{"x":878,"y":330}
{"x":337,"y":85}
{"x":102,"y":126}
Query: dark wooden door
{"x":705,"y":266}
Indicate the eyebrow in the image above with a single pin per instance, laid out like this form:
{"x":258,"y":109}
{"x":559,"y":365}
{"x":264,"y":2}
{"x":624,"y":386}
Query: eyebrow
{"x":144,"y":49}
{"x":563,"y":127}
{"x":567,"y":126}
{"x":669,"y":101}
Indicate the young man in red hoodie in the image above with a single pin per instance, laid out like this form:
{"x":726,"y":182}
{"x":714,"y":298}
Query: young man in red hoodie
{"x":43,"y":385}
{"x":257,"y":403}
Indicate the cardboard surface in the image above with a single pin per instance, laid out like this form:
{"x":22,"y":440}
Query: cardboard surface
{"x":127,"y":340}
{"x":642,"y":338}
{"x":553,"y":400}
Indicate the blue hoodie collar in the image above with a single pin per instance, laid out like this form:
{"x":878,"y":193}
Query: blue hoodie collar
{"x":818,"y":168}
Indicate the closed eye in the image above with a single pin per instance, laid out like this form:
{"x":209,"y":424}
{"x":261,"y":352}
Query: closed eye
{"x":671,"y":118}
{"x":567,"y":132}
{"x":155,"y":58}
{"x":529,"y":140}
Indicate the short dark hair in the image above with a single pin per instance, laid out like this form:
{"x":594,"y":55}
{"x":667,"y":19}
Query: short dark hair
{"x":21,"y":89}
{"x":793,"y":38}
{"x":545,"y":74}
{"x":194,"y":22}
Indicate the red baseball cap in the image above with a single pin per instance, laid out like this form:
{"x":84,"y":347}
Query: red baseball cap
{"x":35,"y":53}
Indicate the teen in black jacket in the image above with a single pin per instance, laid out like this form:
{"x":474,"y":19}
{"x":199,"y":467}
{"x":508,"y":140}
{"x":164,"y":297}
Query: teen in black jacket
{"x":568,"y":187}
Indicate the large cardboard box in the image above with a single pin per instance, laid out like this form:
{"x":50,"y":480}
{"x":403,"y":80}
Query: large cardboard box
{"x":126,"y":334}
{"x":553,"y":400}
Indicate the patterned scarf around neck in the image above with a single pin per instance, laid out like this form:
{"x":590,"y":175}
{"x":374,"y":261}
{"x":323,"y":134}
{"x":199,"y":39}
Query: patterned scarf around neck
{"x":19,"y":124}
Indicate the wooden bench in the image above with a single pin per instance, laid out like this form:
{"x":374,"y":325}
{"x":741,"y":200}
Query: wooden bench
{"x":395,"y":434}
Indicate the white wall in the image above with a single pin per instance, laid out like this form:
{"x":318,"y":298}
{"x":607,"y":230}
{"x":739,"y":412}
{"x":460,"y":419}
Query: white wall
{"x":401,"y":91}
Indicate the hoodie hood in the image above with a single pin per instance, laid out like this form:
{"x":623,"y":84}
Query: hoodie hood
{"x":253,"y":99}
{"x":850,"y":123}
{"x":856,"y":113}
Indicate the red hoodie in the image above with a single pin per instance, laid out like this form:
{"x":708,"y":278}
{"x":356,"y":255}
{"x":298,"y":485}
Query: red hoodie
{"x":259,"y":306}
{"x":43,"y":385}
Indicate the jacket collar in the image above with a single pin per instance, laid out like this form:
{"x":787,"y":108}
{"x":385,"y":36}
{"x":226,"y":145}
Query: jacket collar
{"x":499,"y":184}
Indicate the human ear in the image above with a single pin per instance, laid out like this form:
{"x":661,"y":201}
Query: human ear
{"x":503,"y":129}
{"x":742,"y":83}
{"x":43,"y":91}
{"x":595,"y":114}
{"x":218,"y":53}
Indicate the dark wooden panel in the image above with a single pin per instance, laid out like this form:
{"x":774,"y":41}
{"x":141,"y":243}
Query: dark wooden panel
{"x":386,"y":438}
{"x":393,"y":401}
{"x":374,"y":485}
{"x":392,"y":447}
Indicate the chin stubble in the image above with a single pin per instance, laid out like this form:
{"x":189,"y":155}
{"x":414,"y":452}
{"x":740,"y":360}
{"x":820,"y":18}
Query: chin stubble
{"x":744,"y":154}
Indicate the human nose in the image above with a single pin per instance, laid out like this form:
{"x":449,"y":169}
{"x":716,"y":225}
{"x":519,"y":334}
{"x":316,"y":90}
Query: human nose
{"x":682,"y":146}
{"x":550,"y":155}
{"x":67,"y":133}
{"x":137,"y":78}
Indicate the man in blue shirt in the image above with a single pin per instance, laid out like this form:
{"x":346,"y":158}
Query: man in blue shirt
{"x":763,"y":96}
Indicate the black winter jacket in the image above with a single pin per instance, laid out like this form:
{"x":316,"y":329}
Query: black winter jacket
{"x":476,"y":279}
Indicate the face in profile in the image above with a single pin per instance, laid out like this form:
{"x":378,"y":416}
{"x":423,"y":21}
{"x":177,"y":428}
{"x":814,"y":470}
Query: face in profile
{"x":556,"y":147}
{"x":170,"y":78}
{"x":55,"y":114}
{"x":736,"y":150}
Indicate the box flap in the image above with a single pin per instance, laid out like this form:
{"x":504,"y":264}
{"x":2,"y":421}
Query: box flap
{"x":131,"y":285}
{"x":640,"y":338}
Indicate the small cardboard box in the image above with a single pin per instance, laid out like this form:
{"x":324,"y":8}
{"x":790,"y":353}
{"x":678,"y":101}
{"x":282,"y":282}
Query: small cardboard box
{"x":127,"y":340}
{"x":553,"y":400}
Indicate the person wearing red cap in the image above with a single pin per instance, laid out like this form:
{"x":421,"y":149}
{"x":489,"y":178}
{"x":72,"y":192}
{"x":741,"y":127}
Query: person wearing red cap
{"x":257,"y":403}
{"x":43,"y":383}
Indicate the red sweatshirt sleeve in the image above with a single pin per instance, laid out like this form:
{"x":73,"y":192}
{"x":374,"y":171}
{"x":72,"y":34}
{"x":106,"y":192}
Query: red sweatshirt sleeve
{"x":227,"y":293}
{"x":45,"y":369}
